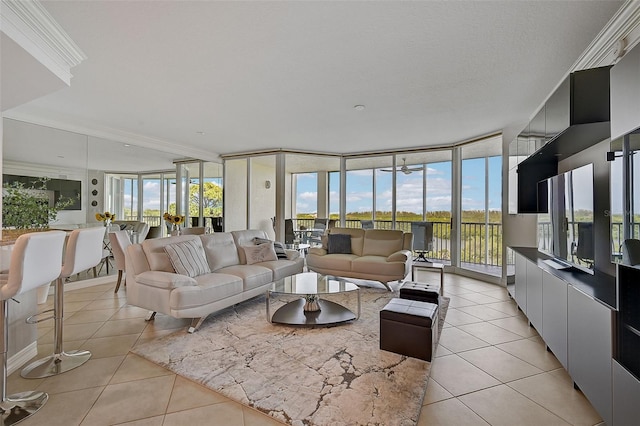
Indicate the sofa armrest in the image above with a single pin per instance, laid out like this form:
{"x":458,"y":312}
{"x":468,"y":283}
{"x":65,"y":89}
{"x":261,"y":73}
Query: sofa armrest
{"x":318,"y":251}
{"x":292,"y":254}
{"x":167,"y":280}
{"x":399,"y":256}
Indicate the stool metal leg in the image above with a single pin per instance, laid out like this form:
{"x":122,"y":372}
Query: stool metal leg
{"x":17,"y":407}
{"x":60,"y":361}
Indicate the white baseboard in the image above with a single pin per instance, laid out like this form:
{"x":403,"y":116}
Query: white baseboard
{"x":18,"y":360}
{"x":90,"y":282}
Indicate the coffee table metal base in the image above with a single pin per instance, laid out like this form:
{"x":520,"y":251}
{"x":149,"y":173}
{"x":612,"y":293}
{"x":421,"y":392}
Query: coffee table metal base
{"x":293,"y":313}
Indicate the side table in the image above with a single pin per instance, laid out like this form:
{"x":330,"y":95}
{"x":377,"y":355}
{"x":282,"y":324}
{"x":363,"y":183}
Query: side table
{"x":432,"y":266}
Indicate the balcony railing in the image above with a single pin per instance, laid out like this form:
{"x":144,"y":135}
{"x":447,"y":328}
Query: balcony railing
{"x":481,"y":243}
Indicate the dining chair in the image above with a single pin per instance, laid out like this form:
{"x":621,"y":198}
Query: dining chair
{"x":194,"y":230}
{"x":289,"y":234}
{"x":367,"y":224}
{"x":143,"y":231}
{"x":107,"y":252}
{"x":35,"y":261}
{"x":119,"y":243}
{"x":83,"y":251}
{"x":154,"y":232}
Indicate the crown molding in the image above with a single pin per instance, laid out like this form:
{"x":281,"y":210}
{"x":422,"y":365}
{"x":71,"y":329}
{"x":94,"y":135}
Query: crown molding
{"x":112,"y":134}
{"x":619,"y":36}
{"x":623,"y":29}
{"x":30,"y":25}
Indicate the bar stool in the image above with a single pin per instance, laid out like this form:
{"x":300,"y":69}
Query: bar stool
{"x":83,"y":251}
{"x":35,"y":261}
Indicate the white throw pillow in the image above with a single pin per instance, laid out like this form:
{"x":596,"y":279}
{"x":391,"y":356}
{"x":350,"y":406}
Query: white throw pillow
{"x":188,"y":258}
{"x":260,"y":253}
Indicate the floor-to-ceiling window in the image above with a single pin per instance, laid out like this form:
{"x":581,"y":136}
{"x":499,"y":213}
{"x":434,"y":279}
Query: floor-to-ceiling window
{"x":306,"y":195}
{"x":481,"y":207}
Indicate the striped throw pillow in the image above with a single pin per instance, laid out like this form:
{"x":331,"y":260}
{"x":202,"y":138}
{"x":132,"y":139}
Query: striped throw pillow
{"x":188,"y":258}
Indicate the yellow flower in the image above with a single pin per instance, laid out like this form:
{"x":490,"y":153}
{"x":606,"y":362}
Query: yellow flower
{"x":105,"y":216}
{"x":176,"y":219}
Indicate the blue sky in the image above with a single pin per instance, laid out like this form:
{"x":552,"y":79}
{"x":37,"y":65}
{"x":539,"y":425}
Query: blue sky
{"x":409,"y":193}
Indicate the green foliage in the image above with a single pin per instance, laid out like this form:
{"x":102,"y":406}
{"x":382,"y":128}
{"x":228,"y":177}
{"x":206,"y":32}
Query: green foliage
{"x":27,"y":207}
{"x":211,"y":200}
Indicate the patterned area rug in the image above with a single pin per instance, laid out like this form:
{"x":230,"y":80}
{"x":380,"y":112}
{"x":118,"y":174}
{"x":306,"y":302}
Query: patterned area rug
{"x":301,"y":376}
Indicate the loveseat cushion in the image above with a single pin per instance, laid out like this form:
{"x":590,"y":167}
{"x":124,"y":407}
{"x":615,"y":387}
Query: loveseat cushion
{"x":210,"y":288}
{"x":340,"y":262}
{"x":382,"y":242}
{"x":168,"y":280}
{"x":220,"y":249}
{"x":377,"y":265}
{"x":188,"y":258}
{"x":252,"y":275}
{"x":357,"y":238}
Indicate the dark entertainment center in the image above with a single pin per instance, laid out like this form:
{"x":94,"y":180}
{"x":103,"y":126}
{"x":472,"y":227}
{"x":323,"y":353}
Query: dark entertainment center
{"x":585,"y":308}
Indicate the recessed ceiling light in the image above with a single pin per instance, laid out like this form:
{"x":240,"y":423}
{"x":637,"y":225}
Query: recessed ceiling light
{"x":359,"y":107}
{"x":200,"y":132}
{"x":127,"y":145}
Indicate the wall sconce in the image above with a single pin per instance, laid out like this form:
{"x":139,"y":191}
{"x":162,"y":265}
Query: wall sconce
{"x":611,"y":155}
{"x":267,"y":184}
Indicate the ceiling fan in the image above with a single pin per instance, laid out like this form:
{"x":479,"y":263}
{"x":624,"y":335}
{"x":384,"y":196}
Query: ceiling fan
{"x":404,"y":168}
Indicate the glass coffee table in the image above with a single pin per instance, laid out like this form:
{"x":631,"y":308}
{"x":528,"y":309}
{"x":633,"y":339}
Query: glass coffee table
{"x":310,"y":309}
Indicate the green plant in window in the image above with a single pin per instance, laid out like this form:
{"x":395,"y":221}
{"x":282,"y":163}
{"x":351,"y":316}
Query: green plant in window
{"x":27,"y":207}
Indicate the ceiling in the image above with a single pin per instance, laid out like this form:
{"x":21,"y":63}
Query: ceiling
{"x":227,"y":77}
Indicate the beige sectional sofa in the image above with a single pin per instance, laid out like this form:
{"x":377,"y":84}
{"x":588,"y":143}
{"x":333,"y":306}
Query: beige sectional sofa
{"x":152,"y":281}
{"x":376,"y":254}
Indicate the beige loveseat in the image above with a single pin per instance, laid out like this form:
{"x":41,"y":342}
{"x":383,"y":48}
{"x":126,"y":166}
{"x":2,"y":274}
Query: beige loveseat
{"x":152,"y":281}
{"x":376,"y":254}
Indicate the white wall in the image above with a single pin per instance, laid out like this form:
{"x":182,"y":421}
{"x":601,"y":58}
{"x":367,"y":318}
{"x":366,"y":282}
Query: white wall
{"x":262,"y":199}
{"x":235,"y":195}
{"x":518,"y":230}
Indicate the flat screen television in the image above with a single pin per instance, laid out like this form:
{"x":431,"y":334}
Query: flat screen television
{"x":566,"y":231}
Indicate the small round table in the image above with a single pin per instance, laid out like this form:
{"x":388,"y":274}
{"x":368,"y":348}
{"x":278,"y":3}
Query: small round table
{"x":310,"y":309}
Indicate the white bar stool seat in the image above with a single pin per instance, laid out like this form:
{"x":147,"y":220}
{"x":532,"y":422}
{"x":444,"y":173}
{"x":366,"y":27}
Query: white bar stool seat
{"x":35,"y":261}
{"x":83,"y":251}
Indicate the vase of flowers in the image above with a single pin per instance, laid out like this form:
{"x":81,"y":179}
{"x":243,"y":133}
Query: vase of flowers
{"x":105,"y":217}
{"x":174,"y":221}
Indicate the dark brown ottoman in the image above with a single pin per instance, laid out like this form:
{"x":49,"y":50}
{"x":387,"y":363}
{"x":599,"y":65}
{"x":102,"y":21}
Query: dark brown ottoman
{"x":409,"y":327}
{"x":420,"y":291}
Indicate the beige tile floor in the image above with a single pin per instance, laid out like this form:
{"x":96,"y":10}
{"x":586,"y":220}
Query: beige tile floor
{"x":490,"y":368}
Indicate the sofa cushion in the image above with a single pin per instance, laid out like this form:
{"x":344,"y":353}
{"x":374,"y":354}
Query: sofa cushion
{"x":260,"y":253}
{"x":283,"y":268}
{"x":220,"y":249}
{"x":157,"y":257}
{"x":166,"y":280}
{"x":382,"y":242}
{"x":245,"y":238}
{"x":339,"y":244}
{"x":210,"y":288}
{"x":278,"y":246}
{"x":252,"y":275}
{"x":188,"y":258}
